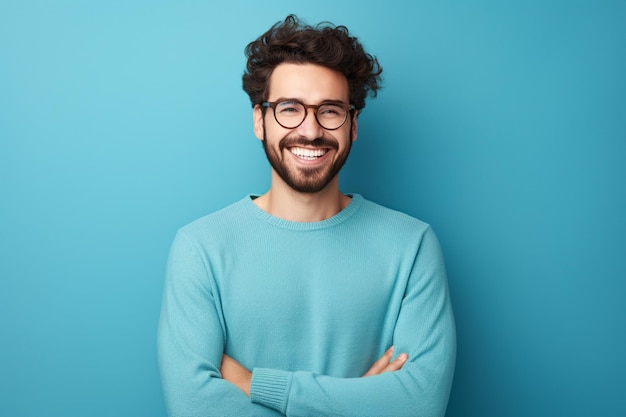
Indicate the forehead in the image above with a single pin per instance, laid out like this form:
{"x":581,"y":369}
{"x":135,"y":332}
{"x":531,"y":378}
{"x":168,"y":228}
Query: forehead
{"x":307,"y":82}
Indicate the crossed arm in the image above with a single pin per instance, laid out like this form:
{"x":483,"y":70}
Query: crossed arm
{"x":198,"y":379}
{"x":233,"y":372}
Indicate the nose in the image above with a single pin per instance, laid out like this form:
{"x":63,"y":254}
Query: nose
{"x":310,"y":128}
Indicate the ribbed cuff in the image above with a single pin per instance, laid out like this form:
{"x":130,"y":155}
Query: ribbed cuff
{"x":269,"y":387}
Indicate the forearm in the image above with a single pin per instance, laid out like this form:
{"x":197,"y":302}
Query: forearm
{"x":414,"y":390}
{"x":418,"y":391}
{"x":191,"y":343}
{"x":424,"y":329}
{"x":193,"y":385}
{"x":212,"y":397}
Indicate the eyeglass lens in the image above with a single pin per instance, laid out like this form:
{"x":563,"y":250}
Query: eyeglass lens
{"x":291,"y":114}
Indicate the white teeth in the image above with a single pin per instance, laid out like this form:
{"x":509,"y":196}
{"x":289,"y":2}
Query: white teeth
{"x":307,"y":153}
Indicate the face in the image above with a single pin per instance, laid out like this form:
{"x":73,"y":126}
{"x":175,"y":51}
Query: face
{"x":306,"y":158}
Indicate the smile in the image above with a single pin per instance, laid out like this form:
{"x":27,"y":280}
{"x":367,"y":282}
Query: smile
{"x":308,"y":154}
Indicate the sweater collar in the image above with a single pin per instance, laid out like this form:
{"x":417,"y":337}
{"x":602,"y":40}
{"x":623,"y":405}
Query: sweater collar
{"x":342,"y":216}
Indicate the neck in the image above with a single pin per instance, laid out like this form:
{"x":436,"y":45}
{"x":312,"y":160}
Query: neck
{"x":284,"y":202}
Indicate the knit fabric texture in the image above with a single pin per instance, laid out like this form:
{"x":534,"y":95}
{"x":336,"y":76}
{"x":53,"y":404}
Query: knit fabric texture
{"x":307,"y":307}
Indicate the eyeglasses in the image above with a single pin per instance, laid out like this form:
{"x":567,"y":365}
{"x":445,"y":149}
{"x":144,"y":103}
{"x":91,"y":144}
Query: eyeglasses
{"x":291,"y":113}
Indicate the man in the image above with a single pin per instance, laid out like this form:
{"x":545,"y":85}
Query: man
{"x":305,"y":301}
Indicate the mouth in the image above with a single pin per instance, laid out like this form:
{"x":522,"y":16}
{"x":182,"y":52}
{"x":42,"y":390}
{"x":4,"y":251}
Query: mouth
{"x":308,"y":154}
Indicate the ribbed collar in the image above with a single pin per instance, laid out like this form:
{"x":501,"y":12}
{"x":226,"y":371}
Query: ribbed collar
{"x":342,"y":216}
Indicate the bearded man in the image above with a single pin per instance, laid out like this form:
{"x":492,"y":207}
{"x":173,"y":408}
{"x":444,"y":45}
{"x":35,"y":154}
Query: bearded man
{"x":305,"y":301}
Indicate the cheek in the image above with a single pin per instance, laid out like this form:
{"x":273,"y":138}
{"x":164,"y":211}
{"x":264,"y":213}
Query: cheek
{"x":347,"y":137}
{"x":270,"y":129}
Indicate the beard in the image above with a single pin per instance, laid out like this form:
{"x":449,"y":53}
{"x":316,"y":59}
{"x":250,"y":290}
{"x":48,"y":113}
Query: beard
{"x":302,"y":179}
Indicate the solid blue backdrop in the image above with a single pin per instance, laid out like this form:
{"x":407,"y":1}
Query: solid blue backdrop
{"x":502,"y":125}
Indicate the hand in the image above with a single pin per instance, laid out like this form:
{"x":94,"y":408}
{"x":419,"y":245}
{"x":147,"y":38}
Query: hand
{"x":233,"y":372}
{"x":384,"y":363}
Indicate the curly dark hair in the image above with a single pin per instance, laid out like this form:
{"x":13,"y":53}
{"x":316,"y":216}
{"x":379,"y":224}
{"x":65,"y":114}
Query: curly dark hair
{"x":325,"y":44}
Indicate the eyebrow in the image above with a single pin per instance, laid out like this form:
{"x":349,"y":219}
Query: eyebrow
{"x":328,"y":101}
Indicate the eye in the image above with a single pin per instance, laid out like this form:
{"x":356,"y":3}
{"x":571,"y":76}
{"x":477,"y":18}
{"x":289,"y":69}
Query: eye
{"x":289,"y":108}
{"x":331,"y":110}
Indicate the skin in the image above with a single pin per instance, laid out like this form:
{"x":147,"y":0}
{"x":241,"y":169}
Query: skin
{"x":311,"y":84}
{"x":236,"y":374}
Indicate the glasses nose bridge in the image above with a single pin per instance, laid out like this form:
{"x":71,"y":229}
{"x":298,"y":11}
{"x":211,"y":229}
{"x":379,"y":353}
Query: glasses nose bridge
{"x":315,"y":108}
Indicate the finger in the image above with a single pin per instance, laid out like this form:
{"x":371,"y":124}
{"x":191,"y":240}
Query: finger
{"x":382,"y":362}
{"x":397,"y":363}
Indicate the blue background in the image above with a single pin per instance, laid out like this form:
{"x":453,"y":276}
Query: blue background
{"x":503,"y":124}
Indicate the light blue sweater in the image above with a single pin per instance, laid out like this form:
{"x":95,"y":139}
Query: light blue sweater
{"x":308,"y":307}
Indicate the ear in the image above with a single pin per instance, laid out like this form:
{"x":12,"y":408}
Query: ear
{"x":355,"y":126}
{"x":257,"y":119}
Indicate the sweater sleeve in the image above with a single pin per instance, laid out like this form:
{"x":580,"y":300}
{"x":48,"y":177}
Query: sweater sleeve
{"x":424,"y":329}
{"x":191,"y":343}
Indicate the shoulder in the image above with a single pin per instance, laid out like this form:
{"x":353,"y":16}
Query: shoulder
{"x":399,"y":233}
{"x":217,"y":223}
{"x":391,"y":218}
{"x":391,"y":228}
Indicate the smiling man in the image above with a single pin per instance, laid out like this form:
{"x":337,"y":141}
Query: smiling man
{"x":305,"y":301}
{"x":305,"y":144}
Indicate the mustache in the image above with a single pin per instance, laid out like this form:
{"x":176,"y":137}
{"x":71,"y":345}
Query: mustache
{"x":316,"y":143}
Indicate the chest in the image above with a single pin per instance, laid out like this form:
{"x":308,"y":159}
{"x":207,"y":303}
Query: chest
{"x":304,"y":303}
{"x":282,"y":290}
